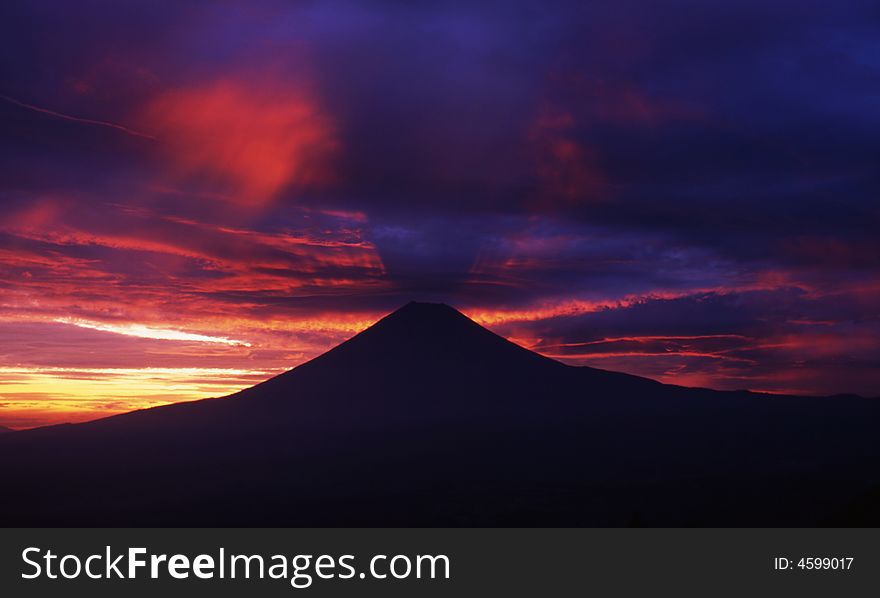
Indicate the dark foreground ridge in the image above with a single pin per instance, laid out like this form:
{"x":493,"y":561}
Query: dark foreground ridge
{"x":428,"y":419}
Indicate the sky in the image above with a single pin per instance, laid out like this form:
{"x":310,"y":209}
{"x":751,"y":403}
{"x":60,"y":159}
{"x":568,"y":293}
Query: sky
{"x":198,"y":195}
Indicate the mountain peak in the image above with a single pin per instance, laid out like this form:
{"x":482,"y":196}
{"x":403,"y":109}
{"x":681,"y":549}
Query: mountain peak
{"x":426,"y":322}
{"x":426,"y":306}
{"x":421,"y":311}
{"x":425,"y":335}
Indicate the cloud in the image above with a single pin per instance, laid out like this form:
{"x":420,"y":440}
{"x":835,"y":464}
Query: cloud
{"x":567,"y":168}
{"x":141,"y":331}
{"x":248,"y":138}
{"x":777,"y":340}
{"x":37,"y":396}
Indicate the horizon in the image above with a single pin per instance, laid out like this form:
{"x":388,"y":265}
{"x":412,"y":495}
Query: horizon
{"x":400,"y":312}
{"x":199,"y":197}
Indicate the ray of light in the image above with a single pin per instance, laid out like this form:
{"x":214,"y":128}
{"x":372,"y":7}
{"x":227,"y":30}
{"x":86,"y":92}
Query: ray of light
{"x":141,"y":331}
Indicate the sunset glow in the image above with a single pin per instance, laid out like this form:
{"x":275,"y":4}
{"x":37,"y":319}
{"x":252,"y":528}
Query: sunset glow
{"x":200,"y":196}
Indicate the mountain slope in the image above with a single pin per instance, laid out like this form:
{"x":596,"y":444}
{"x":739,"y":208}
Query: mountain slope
{"x":426,"y":418}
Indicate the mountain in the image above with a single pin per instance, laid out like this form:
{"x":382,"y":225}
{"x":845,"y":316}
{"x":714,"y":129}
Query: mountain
{"x":428,"y":419}
{"x":4,"y":430}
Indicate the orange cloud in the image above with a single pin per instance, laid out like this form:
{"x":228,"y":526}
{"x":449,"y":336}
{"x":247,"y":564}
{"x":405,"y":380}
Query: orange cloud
{"x":249,"y":140}
{"x":141,"y":274}
{"x":34,"y":396}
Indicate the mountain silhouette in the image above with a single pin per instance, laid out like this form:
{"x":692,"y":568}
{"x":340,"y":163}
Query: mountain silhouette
{"x":4,"y":430}
{"x":428,"y":419}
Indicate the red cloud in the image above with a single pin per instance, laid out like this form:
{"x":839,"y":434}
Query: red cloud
{"x":247,"y":140}
{"x":567,"y":168}
{"x":117,"y":292}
